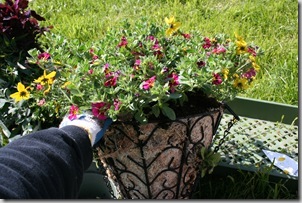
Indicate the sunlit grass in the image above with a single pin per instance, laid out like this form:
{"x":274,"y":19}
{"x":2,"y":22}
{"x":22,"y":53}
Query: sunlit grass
{"x":273,"y":25}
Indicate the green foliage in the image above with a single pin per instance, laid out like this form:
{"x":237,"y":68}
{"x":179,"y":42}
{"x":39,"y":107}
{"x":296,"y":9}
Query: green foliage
{"x":271,"y":24}
{"x":243,"y":184}
{"x":210,"y":160}
{"x":19,"y":32}
{"x":140,"y":71}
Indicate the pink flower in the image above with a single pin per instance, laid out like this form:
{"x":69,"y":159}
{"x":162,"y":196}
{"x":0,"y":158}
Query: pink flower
{"x":99,"y":109}
{"x":250,"y":73}
{"x":137,"y":64}
{"x":151,"y":37}
{"x":111,"y":82}
{"x":123,"y":42}
{"x":217,"y":79}
{"x":186,"y":35}
{"x":252,"y":51}
{"x":73,"y":111}
{"x":219,"y":50}
{"x":44,"y":56}
{"x":149,"y":83}
{"x":173,"y":81}
{"x":39,"y":87}
{"x":90,"y":71}
{"x":41,"y":102}
{"x":207,"y":43}
{"x":116,"y":104}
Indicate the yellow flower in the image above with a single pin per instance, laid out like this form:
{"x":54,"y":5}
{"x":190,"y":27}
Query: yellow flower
{"x":241,"y":83}
{"x":241,"y":45}
{"x":225,"y":73}
{"x":256,"y":66}
{"x":65,"y":84}
{"x":46,"y":79}
{"x":173,"y":25}
{"x":22,"y":93}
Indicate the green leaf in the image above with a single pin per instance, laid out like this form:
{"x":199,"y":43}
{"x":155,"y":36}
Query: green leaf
{"x":156,"y":110}
{"x":76,"y":92}
{"x":167,"y":111}
{"x":4,"y":130}
{"x":2,"y":103}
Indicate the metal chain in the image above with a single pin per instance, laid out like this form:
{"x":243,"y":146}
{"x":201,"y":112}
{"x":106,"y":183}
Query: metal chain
{"x":230,"y":125}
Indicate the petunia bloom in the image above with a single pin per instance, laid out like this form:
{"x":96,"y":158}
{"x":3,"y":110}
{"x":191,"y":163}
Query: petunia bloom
{"x":217,"y":79}
{"x":22,"y":93}
{"x":44,"y":56}
{"x":73,"y":111}
{"x":99,"y":110}
{"x":149,"y":83}
{"x":173,"y":81}
{"x":123,"y":42}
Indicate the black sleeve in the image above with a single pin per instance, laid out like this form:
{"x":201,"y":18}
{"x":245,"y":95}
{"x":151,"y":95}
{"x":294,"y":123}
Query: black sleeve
{"x":46,"y":164}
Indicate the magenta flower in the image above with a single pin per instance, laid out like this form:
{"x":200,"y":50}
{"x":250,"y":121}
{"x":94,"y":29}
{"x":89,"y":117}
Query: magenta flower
{"x":252,"y":51}
{"x":99,"y":110}
{"x":218,"y":50}
{"x":90,"y":71}
{"x":250,"y":73}
{"x":150,"y":37}
{"x":173,"y":81}
{"x":44,"y":56}
{"x":186,"y":35}
{"x":207,"y":43}
{"x":111,"y":82}
{"x":217,"y":79}
{"x":39,"y":87}
{"x":73,"y":111}
{"x":149,"y":83}
{"x":116,"y":104}
{"x":200,"y":64}
{"x":137,"y":64}
{"x":123,"y":42}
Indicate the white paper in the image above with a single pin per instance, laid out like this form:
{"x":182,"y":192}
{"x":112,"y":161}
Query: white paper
{"x":285,"y":163}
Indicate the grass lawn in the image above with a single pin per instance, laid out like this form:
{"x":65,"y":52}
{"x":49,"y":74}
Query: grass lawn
{"x":273,"y":25}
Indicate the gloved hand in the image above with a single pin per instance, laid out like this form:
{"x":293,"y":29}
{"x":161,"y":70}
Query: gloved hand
{"x":95,"y":127}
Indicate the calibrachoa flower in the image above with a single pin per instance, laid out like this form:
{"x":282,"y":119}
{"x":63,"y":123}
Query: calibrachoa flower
{"x":217,"y":79}
{"x":73,"y":111}
{"x":142,"y":70}
{"x":22,"y":94}
{"x":173,"y":81}
{"x":123,"y":42}
{"x":99,"y":110}
{"x":44,"y":56}
{"x":149,"y":83}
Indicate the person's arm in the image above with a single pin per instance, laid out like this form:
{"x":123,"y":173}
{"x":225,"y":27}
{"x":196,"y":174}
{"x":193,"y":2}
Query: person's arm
{"x":46,"y":164}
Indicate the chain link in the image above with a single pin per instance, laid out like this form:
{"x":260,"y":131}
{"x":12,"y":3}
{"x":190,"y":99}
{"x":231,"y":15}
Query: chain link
{"x":230,"y":125}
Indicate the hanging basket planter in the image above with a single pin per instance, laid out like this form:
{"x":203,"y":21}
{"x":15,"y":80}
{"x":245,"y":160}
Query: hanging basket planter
{"x":160,"y":159}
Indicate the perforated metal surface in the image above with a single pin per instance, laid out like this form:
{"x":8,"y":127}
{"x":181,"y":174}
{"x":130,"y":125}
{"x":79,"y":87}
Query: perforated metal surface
{"x":243,"y":146}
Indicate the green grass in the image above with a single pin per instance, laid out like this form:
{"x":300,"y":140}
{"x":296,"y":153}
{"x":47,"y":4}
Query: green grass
{"x":242,"y":184}
{"x":273,"y":25}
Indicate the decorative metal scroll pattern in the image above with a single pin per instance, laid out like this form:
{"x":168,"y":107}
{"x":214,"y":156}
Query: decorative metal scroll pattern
{"x":157,"y":160}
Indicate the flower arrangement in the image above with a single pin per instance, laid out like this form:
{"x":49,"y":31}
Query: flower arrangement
{"x":140,"y":71}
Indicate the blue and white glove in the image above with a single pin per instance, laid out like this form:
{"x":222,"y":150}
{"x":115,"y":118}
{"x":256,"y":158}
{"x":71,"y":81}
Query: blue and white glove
{"x":94,"y":127}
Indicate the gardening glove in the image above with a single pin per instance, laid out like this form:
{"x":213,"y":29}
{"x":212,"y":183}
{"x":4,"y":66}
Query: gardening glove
{"x":94,"y":127}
